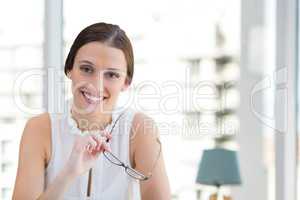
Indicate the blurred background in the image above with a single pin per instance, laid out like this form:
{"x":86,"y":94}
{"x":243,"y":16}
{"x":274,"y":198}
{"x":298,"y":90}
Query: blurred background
{"x":222,"y":76}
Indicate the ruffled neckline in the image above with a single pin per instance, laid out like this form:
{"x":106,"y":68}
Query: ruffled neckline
{"x":74,"y":126}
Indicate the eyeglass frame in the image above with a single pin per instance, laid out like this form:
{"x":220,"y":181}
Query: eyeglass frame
{"x":127,"y":167}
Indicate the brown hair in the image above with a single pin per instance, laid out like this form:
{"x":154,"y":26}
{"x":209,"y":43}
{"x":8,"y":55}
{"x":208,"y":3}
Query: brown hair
{"x":109,"y":34}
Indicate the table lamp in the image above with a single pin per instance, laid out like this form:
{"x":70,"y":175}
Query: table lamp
{"x":218,"y":167}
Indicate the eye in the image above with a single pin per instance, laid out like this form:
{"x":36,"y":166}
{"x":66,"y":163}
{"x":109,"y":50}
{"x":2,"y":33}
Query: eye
{"x":86,"y":69}
{"x":112,"y":75}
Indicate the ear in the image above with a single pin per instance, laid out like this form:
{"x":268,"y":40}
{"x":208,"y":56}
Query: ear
{"x":69,"y":74}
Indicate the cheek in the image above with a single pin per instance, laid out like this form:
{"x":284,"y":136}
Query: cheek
{"x":114,"y":91}
{"x":78,"y":79}
{"x":78,"y":83}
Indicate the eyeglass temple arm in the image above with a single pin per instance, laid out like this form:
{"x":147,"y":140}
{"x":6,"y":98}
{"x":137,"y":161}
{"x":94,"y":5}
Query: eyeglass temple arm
{"x":107,"y":140}
{"x":157,"y":158}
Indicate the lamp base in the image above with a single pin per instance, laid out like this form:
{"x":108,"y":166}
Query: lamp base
{"x":215,"y":197}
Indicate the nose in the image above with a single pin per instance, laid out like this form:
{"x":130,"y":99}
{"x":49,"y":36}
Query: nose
{"x":100,"y":82}
{"x":97,"y":85}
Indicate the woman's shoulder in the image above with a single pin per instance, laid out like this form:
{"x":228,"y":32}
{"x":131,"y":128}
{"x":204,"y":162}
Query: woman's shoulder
{"x":37,"y":133}
{"x":141,"y":118}
{"x":144,"y":126}
{"x":39,"y":124}
{"x":40,"y":118}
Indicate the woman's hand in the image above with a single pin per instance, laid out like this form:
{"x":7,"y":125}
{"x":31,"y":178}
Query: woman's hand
{"x":85,"y":152}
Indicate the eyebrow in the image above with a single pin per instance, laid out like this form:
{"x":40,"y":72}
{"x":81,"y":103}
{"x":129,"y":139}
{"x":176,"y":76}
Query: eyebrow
{"x":90,"y":63}
{"x":86,"y":61}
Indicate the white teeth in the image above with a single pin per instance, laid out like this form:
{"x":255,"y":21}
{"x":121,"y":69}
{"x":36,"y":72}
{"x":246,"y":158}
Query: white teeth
{"x":92,"y":98}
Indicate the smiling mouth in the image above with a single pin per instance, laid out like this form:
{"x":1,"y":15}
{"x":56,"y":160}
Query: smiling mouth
{"x":92,"y":99}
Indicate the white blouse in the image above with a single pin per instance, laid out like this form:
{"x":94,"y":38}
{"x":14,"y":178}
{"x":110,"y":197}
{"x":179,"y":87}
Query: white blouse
{"x":109,"y":182}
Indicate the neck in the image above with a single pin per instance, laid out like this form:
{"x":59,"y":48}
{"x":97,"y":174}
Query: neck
{"x":91,"y":121}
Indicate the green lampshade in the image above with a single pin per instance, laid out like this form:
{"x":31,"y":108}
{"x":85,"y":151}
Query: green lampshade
{"x":219,"y":167}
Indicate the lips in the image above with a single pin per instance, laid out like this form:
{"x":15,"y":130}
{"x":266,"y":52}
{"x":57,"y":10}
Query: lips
{"x":91,"y":99}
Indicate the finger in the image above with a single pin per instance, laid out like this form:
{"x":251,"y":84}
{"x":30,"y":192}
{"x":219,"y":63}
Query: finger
{"x":107,"y":134}
{"x":106,"y":148}
{"x":87,"y":147}
{"x":91,"y":142}
{"x":82,"y":143}
{"x":99,"y":139}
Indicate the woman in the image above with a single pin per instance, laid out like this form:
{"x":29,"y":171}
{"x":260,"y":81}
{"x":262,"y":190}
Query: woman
{"x":73,"y":155}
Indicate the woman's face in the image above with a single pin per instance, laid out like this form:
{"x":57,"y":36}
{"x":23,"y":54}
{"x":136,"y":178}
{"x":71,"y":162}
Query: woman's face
{"x":98,"y":76}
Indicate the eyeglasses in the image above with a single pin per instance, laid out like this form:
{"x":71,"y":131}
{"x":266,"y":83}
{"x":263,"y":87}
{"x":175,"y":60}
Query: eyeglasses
{"x":130,"y":171}
{"x":116,"y":161}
